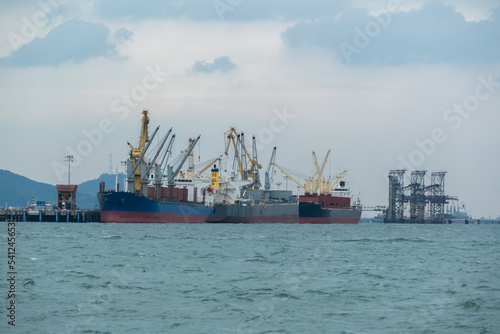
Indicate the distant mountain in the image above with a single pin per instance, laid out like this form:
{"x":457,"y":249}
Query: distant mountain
{"x":17,"y":190}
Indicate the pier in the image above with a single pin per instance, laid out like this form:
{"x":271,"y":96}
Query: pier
{"x":50,"y":216}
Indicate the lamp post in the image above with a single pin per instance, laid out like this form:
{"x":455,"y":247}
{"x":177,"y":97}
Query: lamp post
{"x":69,"y":159}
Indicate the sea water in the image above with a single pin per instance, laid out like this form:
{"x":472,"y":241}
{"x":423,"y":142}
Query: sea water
{"x":221,"y":278}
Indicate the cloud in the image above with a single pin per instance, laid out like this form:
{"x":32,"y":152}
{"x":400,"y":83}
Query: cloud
{"x":229,"y":10}
{"x":122,"y":35}
{"x":221,"y":64}
{"x":74,"y":40}
{"x":433,"y":34}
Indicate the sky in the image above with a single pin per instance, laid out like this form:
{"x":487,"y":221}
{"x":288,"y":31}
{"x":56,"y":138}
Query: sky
{"x":383,"y":84}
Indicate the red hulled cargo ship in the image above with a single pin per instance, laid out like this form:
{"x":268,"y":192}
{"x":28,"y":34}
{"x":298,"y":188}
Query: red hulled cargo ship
{"x":324,"y":201}
{"x":328,"y":209}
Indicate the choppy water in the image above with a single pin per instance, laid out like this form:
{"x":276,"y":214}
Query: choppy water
{"x":141,"y":278}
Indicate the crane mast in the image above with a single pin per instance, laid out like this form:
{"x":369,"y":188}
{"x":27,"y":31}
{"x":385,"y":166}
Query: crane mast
{"x":270,"y":170}
{"x":136,"y":152}
{"x":231,"y":136}
{"x":190,"y":170}
{"x":134,"y":166}
{"x":319,"y":182}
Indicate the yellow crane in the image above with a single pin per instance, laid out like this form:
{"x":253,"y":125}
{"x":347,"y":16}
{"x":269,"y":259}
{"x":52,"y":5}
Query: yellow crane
{"x":207,"y":166}
{"x":136,"y":152}
{"x":311,"y":186}
{"x":232,"y":136}
{"x":320,"y":182}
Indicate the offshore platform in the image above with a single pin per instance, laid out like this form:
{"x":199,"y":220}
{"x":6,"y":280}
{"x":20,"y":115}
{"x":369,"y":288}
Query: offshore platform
{"x":416,"y":197}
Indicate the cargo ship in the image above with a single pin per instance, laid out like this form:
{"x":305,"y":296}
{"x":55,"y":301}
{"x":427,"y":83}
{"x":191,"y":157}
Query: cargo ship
{"x":324,"y":201}
{"x":128,"y":207}
{"x":149,"y":197}
{"x":241,"y":199}
{"x":254,"y":206}
{"x":458,"y":214}
{"x":328,"y":209}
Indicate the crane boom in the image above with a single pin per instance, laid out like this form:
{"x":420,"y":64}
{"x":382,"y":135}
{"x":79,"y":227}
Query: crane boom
{"x":291,"y":178}
{"x":207,"y":166}
{"x":250,"y":158}
{"x":158,"y":152}
{"x":171,"y":174}
{"x":316,"y":167}
{"x":337,"y":181}
{"x":324,"y":164}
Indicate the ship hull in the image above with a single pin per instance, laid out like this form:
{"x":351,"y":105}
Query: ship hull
{"x":125,"y":207}
{"x":312,"y":213}
{"x":277,"y":213}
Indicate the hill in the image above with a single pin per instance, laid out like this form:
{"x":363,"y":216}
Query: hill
{"x":17,"y":190}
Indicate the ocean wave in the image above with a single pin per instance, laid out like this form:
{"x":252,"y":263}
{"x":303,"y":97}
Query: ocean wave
{"x":113,"y":237}
{"x":470,"y":305}
{"x":390,"y":240}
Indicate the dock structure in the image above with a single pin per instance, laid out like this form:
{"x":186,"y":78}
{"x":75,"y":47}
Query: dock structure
{"x":50,"y":216}
{"x":417,"y":196}
{"x":66,"y":196}
{"x":66,"y":210}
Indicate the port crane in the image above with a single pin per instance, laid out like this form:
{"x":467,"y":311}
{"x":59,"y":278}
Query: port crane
{"x":171,"y":172}
{"x":238,"y":141}
{"x":201,"y":171}
{"x":138,"y":170}
{"x":270,"y":170}
{"x":313,"y":185}
{"x":160,"y":148}
{"x":137,"y":153}
{"x":320,"y":183}
{"x":231,"y":136}
{"x":135,"y":172}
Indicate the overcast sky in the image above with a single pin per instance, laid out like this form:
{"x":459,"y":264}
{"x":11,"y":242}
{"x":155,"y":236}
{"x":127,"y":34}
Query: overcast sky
{"x":384,"y":84}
